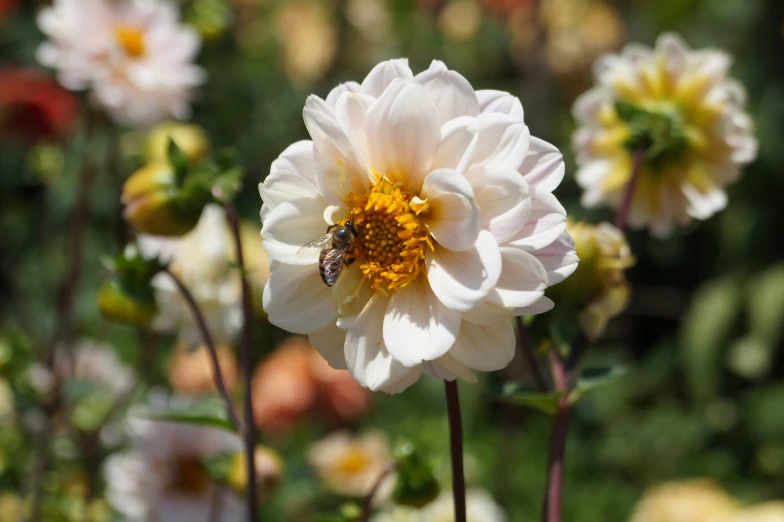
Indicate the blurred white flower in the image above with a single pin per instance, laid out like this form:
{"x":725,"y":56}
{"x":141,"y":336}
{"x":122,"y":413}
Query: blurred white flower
{"x":95,"y":362}
{"x":162,"y":478}
{"x":480,"y":507}
{"x":458,"y":227}
{"x":351,"y":464}
{"x":679,"y":105}
{"x":134,"y":55}
{"x":201,"y":260}
{"x":700,"y":500}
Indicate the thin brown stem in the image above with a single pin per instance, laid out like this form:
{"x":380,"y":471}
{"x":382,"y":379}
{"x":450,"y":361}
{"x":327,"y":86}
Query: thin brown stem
{"x":247,"y":341}
{"x":555,"y":466}
{"x":207,"y":338}
{"x":456,"y":446}
{"x":530,"y":355}
{"x":628,"y":195}
{"x":367,"y":504}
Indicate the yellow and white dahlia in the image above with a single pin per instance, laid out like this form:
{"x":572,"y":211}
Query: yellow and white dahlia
{"x":134,"y":56}
{"x":678,"y":106}
{"x":458,"y":226}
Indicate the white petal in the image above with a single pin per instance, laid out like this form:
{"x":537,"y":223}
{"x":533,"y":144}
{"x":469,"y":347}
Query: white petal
{"x":458,"y":139}
{"x":503,"y":141}
{"x":485,"y":348}
{"x":367,"y":357}
{"x":544,"y":166}
{"x":503,"y":198}
{"x":449,"y":369}
{"x":461,"y":280}
{"x":417,"y":326}
{"x":500,"y":101}
{"x":523,"y":280}
{"x":449,"y":91}
{"x":350,"y":113}
{"x":559,"y":258}
{"x":453,"y":219}
{"x":542,"y":305}
{"x":334,"y":94}
{"x":329,"y":342}
{"x":297,"y":158}
{"x":488,"y":313}
{"x":546,"y":222}
{"x":296,"y":299}
{"x":384,"y":74}
{"x":291,"y":225}
{"x":403,"y":133}
{"x":403,"y":380}
{"x":282,"y":186}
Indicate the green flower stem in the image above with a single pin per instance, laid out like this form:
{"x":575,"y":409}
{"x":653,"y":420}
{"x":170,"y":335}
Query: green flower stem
{"x":247,"y":341}
{"x":456,"y":445}
{"x":530,"y":355}
{"x":628,"y":195}
{"x":208,"y":341}
{"x":367,"y":505}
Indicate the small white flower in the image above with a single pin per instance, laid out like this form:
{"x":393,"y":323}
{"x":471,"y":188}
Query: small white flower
{"x":459,"y":229}
{"x":695,"y":102}
{"x":134,"y":55}
{"x":480,"y":507}
{"x":161,"y":478}
{"x":95,"y":362}
{"x":201,"y":260}
{"x":350,"y":465}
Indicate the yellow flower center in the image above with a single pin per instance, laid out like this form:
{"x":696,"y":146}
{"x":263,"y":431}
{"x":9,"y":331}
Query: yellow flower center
{"x":353,"y":462}
{"x":189,"y":477}
{"x":131,"y":40}
{"x":392,"y":238}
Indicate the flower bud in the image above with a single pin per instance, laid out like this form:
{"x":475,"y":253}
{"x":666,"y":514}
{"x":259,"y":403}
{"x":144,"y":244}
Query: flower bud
{"x":269,"y":468}
{"x":191,"y":139}
{"x":597,"y":290}
{"x":416,"y":484}
{"x":156,"y":202}
{"x":119,"y":305}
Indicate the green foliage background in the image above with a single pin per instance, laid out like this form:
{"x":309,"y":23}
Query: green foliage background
{"x":702,"y":335}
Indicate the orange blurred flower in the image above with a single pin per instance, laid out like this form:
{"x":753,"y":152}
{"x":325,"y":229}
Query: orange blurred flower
{"x":190,"y":371}
{"x":295,"y":381}
{"x":32,"y":105}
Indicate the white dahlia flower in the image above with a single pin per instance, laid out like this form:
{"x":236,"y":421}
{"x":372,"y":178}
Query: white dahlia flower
{"x":134,"y":55}
{"x":480,"y":507}
{"x":162,"y":477}
{"x":201,"y":260}
{"x":458,"y":229}
{"x":679,"y":106}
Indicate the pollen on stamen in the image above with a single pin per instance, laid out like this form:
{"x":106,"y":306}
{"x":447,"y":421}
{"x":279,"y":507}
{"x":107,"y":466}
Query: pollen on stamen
{"x":392,"y":239}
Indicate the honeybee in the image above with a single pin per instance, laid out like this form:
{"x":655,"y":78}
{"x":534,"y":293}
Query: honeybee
{"x":333,"y":247}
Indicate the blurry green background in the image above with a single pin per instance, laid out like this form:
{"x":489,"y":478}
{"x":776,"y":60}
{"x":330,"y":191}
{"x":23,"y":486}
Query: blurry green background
{"x":703,"y":332}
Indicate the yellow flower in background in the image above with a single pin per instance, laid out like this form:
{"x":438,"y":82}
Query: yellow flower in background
{"x":349,"y":464}
{"x":765,"y":512}
{"x":689,"y":501}
{"x":11,"y":507}
{"x":677,"y":105}
{"x":598,"y":288}
{"x":309,"y":39}
{"x":269,"y":469}
{"x":480,"y":507}
{"x":576,"y":32}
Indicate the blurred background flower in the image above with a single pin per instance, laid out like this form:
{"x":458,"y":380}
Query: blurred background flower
{"x":480,"y":507}
{"x":191,"y":371}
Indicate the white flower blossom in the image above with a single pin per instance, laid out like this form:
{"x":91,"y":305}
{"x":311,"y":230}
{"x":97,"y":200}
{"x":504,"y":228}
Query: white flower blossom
{"x":134,"y":56}
{"x":458,"y":227}
{"x":480,"y":507}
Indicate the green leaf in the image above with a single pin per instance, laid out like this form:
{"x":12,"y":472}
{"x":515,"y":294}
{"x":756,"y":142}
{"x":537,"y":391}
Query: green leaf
{"x":416,"y":482}
{"x":514,"y":393}
{"x":228,"y":185}
{"x":208,"y":412}
{"x":629,"y":112}
{"x":78,"y":389}
{"x":178,"y":159}
{"x":766,"y":304}
{"x":592,"y":378}
{"x":705,"y":334}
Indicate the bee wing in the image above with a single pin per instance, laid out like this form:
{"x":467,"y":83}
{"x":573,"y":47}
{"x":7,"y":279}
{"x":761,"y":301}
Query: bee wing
{"x":331,"y":264}
{"x":312,"y":249}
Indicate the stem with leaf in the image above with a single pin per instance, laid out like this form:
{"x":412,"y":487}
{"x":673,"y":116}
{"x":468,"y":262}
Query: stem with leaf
{"x":456,"y":446}
{"x":247,"y":341}
{"x":208,"y":341}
